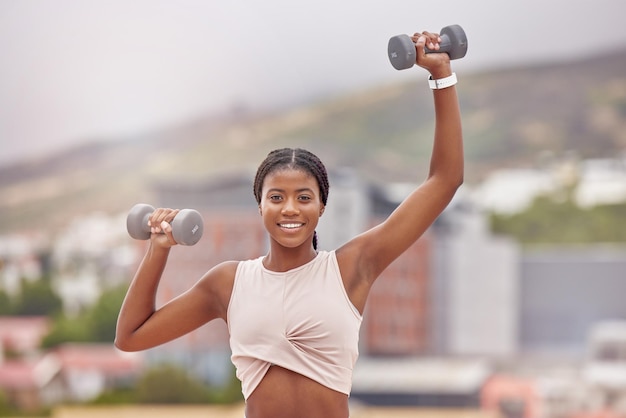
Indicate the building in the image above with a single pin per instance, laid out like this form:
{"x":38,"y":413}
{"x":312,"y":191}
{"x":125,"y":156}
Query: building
{"x":22,"y":257}
{"x":564,"y":291}
{"x":475,"y":286}
{"x":84,"y":268}
{"x":22,"y":334}
{"x":33,"y":379}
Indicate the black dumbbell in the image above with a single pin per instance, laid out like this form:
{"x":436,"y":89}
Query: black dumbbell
{"x":187,"y":226}
{"x":402,"y":53}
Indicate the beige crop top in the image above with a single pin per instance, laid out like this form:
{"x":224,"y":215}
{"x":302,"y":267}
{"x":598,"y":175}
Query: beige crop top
{"x":301,"y":320}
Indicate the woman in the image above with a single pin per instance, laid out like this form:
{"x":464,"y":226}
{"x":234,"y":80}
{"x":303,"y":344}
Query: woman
{"x":294,"y":314}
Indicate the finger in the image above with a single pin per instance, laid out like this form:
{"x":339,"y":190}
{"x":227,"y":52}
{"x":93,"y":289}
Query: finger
{"x":167,"y":230}
{"x":157,"y":217}
{"x":432,"y":40}
{"x":154,"y":221}
{"x":420,"y":42}
{"x":170,"y":217}
{"x":416,"y":36}
{"x":425,"y":40}
{"x":154,"y":216}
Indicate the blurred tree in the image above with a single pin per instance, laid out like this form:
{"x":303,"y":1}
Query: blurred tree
{"x":558,"y":220}
{"x":178,"y":387}
{"x":609,"y":222}
{"x":117,"y":396}
{"x":97,"y":324}
{"x":229,"y":393}
{"x":37,"y":298}
{"x":6,"y":307}
{"x":102,"y":317}
{"x":66,"y":330}
{"x":5,"y":405}
{"x":171,"y":385}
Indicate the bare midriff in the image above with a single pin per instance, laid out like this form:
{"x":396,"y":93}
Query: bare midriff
{"x":286,"y":394}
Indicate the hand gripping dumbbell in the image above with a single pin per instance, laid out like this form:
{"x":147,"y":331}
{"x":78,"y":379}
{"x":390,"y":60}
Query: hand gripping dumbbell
{"x":402,"y":53}
{"x":187,"y":226}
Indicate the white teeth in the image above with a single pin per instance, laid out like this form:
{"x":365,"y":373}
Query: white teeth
{"x":290,"y":226}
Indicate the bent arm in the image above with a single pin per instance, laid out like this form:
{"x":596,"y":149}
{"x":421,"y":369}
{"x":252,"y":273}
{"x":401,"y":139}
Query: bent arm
{"x":141,"y":326}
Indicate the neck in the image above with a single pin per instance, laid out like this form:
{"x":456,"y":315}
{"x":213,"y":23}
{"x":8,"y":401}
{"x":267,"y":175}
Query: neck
{"x":282,"y":259}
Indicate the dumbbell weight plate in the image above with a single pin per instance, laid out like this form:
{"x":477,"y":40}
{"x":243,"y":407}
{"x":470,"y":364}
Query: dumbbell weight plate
{"x":453,"y":41}
{"x":137,"y":221}
{"x":187,"y":227}
{"x":401,"y":52}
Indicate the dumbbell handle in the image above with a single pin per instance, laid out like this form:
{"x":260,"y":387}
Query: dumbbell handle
{"x":444,"y":46}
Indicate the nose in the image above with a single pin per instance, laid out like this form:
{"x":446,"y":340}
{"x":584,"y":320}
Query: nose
{"x":290,"y":207}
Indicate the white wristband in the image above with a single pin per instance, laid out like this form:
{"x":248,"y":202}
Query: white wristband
{"x":442,"y":83}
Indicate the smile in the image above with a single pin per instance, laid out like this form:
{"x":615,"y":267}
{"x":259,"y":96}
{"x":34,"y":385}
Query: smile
{"x":291,"y":225}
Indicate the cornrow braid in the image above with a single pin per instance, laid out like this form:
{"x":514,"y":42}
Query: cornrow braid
{"x":293,"y":158}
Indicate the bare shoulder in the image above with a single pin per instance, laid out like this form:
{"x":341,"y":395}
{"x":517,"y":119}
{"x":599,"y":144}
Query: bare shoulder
{"x":224,"y":271}
{"x":220,"y":275}
{"x":218,"y":283}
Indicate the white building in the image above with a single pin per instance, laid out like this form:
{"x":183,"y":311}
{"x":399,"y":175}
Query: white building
{"x":596,"y":182}
{"x":92,"y":254}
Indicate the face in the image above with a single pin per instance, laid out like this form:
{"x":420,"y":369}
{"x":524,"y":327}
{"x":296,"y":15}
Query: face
{"x":290,"y":206}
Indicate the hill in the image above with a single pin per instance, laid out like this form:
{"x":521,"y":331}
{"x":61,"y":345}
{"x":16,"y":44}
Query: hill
{"x":512,"y":117}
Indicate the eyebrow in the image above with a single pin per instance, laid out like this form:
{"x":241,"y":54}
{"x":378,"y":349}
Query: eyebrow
{"x":304,"y":189}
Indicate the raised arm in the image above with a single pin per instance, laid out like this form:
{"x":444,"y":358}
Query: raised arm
{"x":365,"y":257}
{"x":140,"y":324}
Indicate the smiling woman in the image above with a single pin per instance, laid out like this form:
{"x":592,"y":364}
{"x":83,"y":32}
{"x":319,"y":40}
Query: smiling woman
{"x":292,"y":186}
{"x":294,"y":314}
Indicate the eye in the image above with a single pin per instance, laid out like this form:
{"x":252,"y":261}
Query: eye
{"x":304,"y":198}
{"x":275,"y":198}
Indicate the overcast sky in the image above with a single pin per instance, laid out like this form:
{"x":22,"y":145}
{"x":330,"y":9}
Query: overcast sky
{"x":79,"y":70}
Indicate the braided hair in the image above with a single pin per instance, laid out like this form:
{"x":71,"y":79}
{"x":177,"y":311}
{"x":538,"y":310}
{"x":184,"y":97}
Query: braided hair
{"x":293,"y":158}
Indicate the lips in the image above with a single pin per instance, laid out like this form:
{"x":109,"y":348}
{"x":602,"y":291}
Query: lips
{"x":291,"y":225}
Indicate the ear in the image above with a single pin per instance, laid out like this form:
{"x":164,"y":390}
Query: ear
{"x":322,"y":210}
{"x":260,"y":211}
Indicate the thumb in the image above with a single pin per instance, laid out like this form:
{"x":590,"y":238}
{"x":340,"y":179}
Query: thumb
{"x":167,"y":230}
{"x":420,"y":44}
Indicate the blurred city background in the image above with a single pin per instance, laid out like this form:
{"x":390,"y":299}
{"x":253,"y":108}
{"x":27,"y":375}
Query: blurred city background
{"x":512,"y":304}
